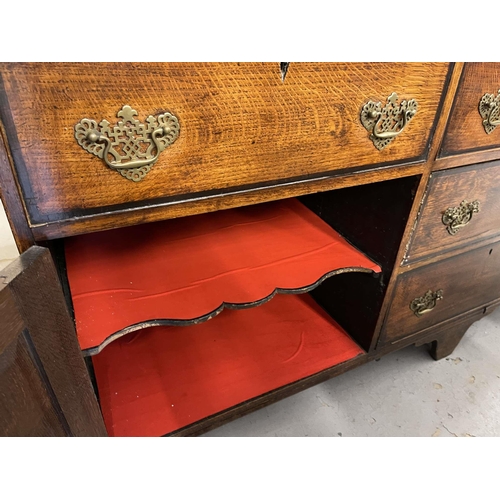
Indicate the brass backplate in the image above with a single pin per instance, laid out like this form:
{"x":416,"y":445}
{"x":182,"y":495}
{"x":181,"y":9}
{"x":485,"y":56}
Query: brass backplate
{"x":426,"y":303}
{"x":489,"y":109}
{"x":130,"y":147}
{"x":385,"y":123}
{"x":455,"y":218}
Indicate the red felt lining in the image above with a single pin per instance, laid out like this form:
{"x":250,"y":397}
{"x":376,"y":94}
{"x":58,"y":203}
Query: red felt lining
{"x":164,"y":378}
{"x":186,"y":268}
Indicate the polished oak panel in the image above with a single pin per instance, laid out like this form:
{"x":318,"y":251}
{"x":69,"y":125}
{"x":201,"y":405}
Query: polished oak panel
{"x":240,"y":126}
{"x":467,"y":281}
{"x":448,"y":189}
{"x":465,"y":131}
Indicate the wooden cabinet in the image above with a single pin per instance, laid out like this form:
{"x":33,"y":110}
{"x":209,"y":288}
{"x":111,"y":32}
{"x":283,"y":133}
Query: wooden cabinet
{"x":228,"y":237}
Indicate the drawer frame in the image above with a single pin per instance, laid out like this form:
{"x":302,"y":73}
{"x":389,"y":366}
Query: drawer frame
{"x":470,"y":270}
{"x":483,"y":186}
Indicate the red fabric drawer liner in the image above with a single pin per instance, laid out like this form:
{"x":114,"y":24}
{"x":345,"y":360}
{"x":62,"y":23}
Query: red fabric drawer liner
{"x":164,"y":378}
{"x":186,"y":268}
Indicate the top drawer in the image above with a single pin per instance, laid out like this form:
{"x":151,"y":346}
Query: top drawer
{"x":240,"y":127}
{"x":465,"y":131}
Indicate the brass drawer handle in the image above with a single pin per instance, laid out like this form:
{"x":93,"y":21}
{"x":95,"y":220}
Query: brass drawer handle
{"x":489,"y":110}
{"x":426,"y":303}
{"x":454,"y":218}
{"x":133,"y":146}
{"x":384,"y":124}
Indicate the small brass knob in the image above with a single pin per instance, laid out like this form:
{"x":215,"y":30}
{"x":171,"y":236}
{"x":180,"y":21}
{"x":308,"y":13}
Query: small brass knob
{"x":92,"y":136}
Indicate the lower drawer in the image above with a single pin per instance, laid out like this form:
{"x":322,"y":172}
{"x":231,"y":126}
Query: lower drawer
{"x":439,"y":291}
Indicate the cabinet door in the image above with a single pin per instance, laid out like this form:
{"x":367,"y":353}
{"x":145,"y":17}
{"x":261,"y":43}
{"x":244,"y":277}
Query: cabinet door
{"x":45,"y":389}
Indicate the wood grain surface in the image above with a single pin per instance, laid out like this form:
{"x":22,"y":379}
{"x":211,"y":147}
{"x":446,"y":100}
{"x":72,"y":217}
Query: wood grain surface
{"x":26,"y":408}
{"x":240,"y":198}
{"x":241,"y":125}
{"x":447,"y":189}
{"x":468,"y":281}
{"x":436,"y":141}
{"x":12,"y":322}
{"x":49,"y":377}
{"x":465,"y":131}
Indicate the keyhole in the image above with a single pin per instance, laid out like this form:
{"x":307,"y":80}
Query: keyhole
{"x":490,"y":251}
{"x":284,"y":70}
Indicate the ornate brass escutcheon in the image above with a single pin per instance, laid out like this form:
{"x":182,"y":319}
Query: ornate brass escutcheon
{"x":489,"y":109}
{"x":130,"y":147}
{"x":386,"y":123}
{"x":455,"y":218}
{"x":426,"y":303}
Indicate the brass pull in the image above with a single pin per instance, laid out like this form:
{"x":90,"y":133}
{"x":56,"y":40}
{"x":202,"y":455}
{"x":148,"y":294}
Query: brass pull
{"x":489,"y":110}
{"x":426,"y":303}
{"x":454,"y":218}
{"x":384,"y":124}
{"x":133,"y":146}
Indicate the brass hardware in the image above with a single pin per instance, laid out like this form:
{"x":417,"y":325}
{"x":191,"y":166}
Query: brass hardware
{"x":489,"y":109}
{"x":426,"y":303}
{"x":133,"y":146}
{"x":454,"y":218}
{"x":386,"y":123}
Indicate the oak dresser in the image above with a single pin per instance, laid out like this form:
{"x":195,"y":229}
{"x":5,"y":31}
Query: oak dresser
{"x":202,"y":239}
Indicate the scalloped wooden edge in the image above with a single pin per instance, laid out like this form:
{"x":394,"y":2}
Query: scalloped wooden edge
{"x":91,"y":351}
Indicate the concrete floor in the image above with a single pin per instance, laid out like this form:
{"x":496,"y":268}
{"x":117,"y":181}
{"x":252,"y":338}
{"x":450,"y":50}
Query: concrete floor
{"x":406,"y":393}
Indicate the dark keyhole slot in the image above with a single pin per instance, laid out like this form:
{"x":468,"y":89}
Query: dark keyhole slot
{"x":491,"y":250}
{"x":484,"y":310}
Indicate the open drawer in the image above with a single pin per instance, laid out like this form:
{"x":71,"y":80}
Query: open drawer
{"x":158,"y":307}
{"x":185,"y":271}
{"x":162,"y":379}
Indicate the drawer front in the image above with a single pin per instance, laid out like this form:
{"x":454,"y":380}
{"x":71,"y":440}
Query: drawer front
{"x":461,"y":283}
{"x":462,"y":205}
{"x":465,"y":131}
{"x":239,"y":126}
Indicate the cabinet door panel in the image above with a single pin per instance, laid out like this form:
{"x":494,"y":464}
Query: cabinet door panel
{"x":45,"y":389}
